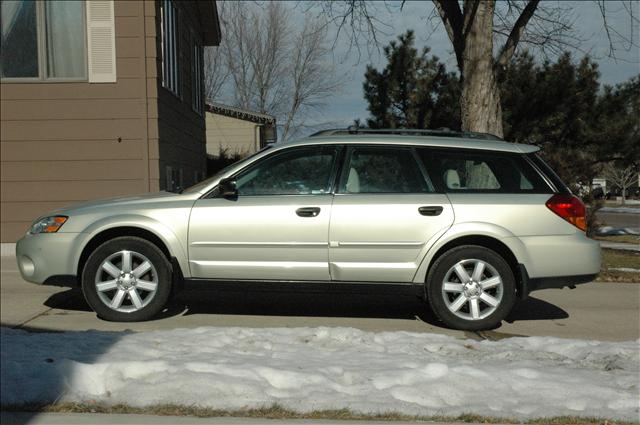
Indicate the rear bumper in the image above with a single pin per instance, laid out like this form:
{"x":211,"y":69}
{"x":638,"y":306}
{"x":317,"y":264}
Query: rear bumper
{"x":561,"y":256}
{"x":528,"y":285}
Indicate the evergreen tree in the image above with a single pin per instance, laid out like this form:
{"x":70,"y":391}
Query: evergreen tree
{"x":560,"y":106}
{"x":413,"y":90}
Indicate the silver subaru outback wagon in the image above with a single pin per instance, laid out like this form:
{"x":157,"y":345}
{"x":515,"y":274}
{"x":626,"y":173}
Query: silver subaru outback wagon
{"x":477,"y":222}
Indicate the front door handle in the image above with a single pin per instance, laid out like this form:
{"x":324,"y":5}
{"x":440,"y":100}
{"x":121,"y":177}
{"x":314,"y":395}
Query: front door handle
{"x":308,"y":211}
{"x":430,"y":210}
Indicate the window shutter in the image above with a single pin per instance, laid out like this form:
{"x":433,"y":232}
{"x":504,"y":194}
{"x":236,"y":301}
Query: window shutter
{"x":101,"y":40}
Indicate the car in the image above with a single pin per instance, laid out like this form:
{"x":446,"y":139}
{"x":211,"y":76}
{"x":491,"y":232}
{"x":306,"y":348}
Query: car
{"x":473,"y":222}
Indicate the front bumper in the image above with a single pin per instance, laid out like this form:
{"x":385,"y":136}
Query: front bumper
{"x":45,"y":255}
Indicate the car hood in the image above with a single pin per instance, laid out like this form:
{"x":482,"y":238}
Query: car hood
{"x":122,"y":201}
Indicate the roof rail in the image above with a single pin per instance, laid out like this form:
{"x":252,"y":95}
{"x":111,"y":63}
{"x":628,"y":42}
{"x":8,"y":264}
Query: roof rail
{"x":441,"y":132}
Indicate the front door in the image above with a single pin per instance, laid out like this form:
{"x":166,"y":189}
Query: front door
{"x":276,"y":228}
{"x":385,"y":215}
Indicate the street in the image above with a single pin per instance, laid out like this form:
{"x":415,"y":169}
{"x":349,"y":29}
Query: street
{"x":629,"y":221}
{"x":602,"y":311}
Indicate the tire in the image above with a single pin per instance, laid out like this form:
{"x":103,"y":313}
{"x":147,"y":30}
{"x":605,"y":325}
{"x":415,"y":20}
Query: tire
{"x":127,"y":279}
{"x":477,"y":304}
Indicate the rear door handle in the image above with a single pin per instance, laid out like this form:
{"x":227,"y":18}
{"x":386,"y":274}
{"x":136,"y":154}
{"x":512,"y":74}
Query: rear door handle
{"x":430,"y":210}
{"x":308,"y":211}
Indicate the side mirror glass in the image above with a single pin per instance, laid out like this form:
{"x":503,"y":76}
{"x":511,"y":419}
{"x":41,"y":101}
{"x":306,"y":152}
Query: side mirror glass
{"x":228,"y":188}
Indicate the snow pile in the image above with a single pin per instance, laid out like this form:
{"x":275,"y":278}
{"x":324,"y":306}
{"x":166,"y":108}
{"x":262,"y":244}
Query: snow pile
{"x":612,"y":231}
{"x":307,"y":369}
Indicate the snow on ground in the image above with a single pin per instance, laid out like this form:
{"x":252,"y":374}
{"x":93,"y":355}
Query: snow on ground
{"x":624,"y":269}
{"x":307,"y":369}
{"x":609,"y":231}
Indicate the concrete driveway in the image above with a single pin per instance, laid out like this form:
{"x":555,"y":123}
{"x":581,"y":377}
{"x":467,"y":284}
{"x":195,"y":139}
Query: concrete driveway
{"x":603,"y":311}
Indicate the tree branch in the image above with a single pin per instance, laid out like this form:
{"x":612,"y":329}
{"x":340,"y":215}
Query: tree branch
{"x":452,"y":19}
{"x":510,"y":45}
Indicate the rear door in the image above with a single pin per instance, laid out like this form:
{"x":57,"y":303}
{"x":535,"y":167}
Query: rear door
{"x":385,"y":214}
{"x":497,"y":188}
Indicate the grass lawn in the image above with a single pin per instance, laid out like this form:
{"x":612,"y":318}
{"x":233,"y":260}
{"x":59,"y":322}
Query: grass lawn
{"x":615,"y":204}
{"x":278,"y":412}
{"x":614,"y":258}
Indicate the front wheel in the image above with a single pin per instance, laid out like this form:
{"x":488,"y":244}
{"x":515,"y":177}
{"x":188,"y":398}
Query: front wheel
{"x":471,"y":288}
{"x":127,"y":279}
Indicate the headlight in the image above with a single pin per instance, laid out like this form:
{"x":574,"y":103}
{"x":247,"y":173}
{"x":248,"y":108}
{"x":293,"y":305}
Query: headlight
{"x":48,"y":224}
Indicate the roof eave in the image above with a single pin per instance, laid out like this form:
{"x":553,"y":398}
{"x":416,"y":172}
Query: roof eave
{"x":210,"y":22}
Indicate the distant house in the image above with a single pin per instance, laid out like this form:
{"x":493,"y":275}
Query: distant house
{"x":99,"y":99}
{"x":236,"y":130}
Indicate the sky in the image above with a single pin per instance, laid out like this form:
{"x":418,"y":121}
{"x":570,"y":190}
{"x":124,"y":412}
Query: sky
{"x":349,"y":103}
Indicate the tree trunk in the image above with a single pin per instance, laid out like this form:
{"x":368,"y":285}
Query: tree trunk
{"x":480,"y":100}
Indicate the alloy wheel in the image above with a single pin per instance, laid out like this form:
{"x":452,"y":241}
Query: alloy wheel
{"x":126,"y":281}
{"x":472,"y":289}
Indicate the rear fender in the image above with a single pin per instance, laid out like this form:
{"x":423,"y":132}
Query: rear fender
{"x":461,"y":230}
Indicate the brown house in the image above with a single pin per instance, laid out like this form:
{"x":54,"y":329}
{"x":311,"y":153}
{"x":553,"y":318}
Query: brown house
{"x":99,"y":98}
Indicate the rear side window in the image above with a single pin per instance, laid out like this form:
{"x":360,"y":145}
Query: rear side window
{"x":382,"y":170}
{"x":460,"y":171}
{"x":551,"y":175}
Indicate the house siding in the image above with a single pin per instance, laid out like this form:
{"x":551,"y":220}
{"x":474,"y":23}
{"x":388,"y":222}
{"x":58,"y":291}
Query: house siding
{"x":62,"y":143}
{"x":232,"y":135}
{"x":181,"y":142}
{"x":65,"y":142}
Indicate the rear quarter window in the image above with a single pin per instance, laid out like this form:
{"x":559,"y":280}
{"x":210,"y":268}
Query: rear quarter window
{"x":467,"y":171}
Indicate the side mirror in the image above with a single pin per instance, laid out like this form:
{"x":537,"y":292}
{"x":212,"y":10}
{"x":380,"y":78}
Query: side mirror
{"x":227,"y":188}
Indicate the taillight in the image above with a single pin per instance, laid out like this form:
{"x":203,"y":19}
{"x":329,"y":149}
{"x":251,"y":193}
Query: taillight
{"x":570,"y":208}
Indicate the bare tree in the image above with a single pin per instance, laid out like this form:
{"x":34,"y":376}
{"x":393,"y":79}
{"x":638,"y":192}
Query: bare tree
{"x":216,"y":73}
{"x":621,"y":177}
{"x":474,"y":27}
{"x":312,"y":76}
{"x":274,"y":67}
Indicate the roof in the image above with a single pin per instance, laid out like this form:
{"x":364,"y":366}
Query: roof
{"x":444,"y":132}
{"x":433,"y":141}
{"x":239,"y":113}
{"x":208,"y":11}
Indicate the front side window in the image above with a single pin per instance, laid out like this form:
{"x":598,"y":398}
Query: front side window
{"x":469,"y":171}
{"x":303,"y":171}
{"x":382,"y":170}
{"x":169,"y":14}
{"x":43,"y":40}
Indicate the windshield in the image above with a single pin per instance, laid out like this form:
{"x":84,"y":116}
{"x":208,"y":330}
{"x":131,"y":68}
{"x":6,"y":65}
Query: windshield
{"x":206,"y":182}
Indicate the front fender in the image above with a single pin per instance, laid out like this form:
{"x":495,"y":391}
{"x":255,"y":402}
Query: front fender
{"x":471,"y":229}
{"x":173,"y":243}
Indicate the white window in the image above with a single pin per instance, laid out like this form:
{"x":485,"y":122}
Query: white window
{"x":196,"y":76}
{"x":169,"y":34}
{"x":43,"y":40}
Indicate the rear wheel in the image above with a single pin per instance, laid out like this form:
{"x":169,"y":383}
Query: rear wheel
{"x":471,"y":288}
{"x":127,"y":279}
